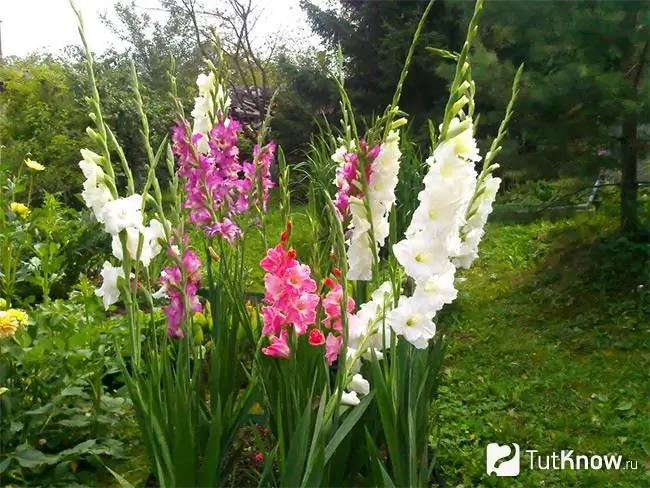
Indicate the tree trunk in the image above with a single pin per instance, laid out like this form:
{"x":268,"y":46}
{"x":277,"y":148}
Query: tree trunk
{"x":629,"y":184}
{"x":637,"y":54}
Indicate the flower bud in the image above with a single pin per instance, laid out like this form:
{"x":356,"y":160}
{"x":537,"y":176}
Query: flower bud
{"x":213,"y":254}
{"x":92,"y":134}
{"x":398,"y":123}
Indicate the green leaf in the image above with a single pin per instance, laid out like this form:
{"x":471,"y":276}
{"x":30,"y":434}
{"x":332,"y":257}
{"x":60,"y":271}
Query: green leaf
{"x":81,"y":448}
{"x":74,"y":391}
{"x":5,"y":464}
{"x":381,"y":476}
{"x":624,"y":406}
{"x":123,"y":482}
{"x":348,"y":424}
{"x":45,"y":409}
{"x":76,"y":421}
{"x":30,"y":458}
{"x":294,"y":463}
{"x":443,"y":53}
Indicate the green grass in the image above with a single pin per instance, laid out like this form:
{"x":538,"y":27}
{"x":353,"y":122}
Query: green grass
{"x":549,"y":350}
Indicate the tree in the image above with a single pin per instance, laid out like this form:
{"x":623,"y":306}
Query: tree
{"x":42,"y":115}
{"x":375,"y":37}
{"x":585,"y":74}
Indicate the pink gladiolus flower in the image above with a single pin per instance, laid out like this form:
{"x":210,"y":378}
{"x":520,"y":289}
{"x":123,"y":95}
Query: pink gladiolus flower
{"x":275,"y":289}
{"x":332,"y":306}
{"x":279,"y":347}
{"x":298,"y":277}
{"x":226,"y":229}
{"x":348,"y":174}
{"x":332,"y":348}
{"x":217,"y":186}
{"x":277,"y":260}
{"x":178,"y":290}
{"x":174,"y":314}
{"x":273,"y":320}
{"x":192,"y":265}
{"x":289,"y":293}
{"x":316,"y":337}
{"x":302,"y":312}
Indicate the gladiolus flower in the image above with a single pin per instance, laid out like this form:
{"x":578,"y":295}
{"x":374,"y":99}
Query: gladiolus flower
{"x":279,"y":347}
{"x":350,"y":398}
{"x":332,"y":348}
{"x":289,"y":293}
{"x":109,"y":291}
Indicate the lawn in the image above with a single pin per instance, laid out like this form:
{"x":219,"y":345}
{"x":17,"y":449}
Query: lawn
{"x":550,"y":351}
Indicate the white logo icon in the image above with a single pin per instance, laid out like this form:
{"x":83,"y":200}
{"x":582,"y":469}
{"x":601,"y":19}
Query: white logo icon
{"x":495,"y":453}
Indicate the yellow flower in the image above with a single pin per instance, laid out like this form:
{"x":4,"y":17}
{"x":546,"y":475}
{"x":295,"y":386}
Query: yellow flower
{"x":34,"y":165}
{"x":19,"y":316}
{"x":8,"y":326}
{"x":19,"y":209}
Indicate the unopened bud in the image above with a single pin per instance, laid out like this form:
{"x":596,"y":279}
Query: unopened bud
{"x":284,"y":237}
{"x":213,"y":254}
{"x":91,"y":133}
{"x":291,"y":254}
{"x":459,"y":128}
{"x":337,"y":272}
{"x":398,"y":123}
{"x":329,"y":282}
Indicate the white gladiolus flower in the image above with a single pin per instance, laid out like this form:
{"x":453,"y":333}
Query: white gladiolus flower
{"x":433,"y":246}
{"x":122,"y":213}
{"x":96,"y":198}
{"x":367,"y":328}
{"x":91,"y":167}
{"x":437,"y":290}
{"x":350,"y":399}
{"x":108,"y":291}
{"x":203,"y":111}
{"x":413,"y":320}
{"x":473,"y":229}
{"x":160,"y":293}
{"x":95,"y":193}
{"x":150,"y":245}
{"x":339,"y":155}
{"x":205,"y":83}
{"x":464,"y":143}
{"x":422,"y":258}
{"x":359,"y":385}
